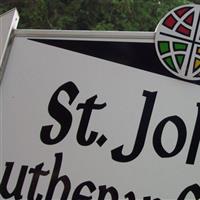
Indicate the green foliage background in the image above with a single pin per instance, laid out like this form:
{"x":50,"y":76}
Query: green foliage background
{"x":126,"y":15}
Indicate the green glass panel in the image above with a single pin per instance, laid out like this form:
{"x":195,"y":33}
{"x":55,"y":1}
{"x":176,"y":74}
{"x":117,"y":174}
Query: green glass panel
{"x":169,"y":62}
{"x":180,"y":46}
{"x":180,"y":59}
{"x":163,"y":47}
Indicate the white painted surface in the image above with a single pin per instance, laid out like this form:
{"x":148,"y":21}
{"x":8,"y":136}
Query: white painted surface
{"x":88,"y":35}
{"x":35,"y":71}
{"x":8,"y":22}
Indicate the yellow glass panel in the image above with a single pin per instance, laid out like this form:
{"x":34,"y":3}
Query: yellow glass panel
{"x":197,"y":63}
{"x":198,"y":50}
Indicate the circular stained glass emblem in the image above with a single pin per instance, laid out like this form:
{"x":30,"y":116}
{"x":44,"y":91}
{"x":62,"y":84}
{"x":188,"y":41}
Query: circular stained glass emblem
{"x":177,"y":42}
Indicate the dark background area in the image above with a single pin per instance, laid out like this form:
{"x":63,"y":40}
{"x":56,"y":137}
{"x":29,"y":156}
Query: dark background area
{"x":123,"y":15}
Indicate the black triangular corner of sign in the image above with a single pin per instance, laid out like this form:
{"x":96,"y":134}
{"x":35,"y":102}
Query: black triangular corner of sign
{"x":137,"y":55}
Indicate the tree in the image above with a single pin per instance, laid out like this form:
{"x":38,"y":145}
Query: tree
{"x":129,"y":15}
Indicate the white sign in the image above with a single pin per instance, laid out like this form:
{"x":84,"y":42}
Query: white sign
{"x":93,"y":118}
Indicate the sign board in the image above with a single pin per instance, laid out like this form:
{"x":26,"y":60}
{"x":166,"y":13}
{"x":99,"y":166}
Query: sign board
{"x":103,"y":115}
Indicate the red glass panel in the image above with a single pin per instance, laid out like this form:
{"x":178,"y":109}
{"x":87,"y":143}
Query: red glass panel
{"x":180,"y":12}
{"x":170,"y":22}
{"x":189,"y":19}
{"x":183,"y":30}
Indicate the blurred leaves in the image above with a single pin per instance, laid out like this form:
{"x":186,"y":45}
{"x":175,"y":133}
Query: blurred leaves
{"x":127,"y":15}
